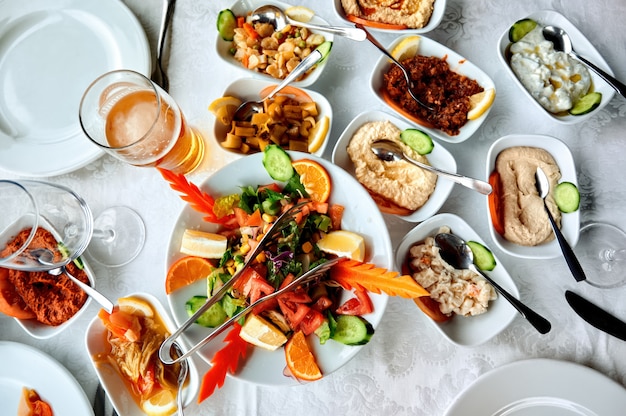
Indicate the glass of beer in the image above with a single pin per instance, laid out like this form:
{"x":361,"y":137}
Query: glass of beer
{"x":136,"y":121}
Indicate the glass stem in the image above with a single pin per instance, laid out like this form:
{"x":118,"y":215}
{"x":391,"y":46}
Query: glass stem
{"x":610,"y":254}
{"x":106,"y":235}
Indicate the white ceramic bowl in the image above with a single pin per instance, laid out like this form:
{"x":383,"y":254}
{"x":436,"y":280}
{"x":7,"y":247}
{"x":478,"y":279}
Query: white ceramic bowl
{"x":440,"y":158}
{"x":459,"y":64}
{"x":249,"y":88}
{"x":570,"y":223}
{"x":111,"y":380}
{"x":438,"y":10}
{"x":245,"y":7}
{"x":581,"y":44}
{"x":474,"y":330}
{"x":360,"y":215}
{"x":42,"y":331}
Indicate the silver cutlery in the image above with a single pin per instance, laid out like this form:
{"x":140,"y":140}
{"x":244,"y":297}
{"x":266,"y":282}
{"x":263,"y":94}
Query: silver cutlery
{"x":159,"y":75}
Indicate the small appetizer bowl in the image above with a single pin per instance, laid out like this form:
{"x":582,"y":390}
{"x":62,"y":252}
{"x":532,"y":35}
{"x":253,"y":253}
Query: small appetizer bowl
{"x":116,"y":388}
{"x":439,"y":157}
{"x":250,"y":88}
{"x":460,"y":330}
{"x":570,"y":223}
{"x":457,"y":63}
{"x":244,"y":8}
{"x":435,"y":18}
{"x":581,"y":45}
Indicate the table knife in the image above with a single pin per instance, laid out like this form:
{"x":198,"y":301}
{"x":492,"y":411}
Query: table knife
{"x":596,"y":316}
{"x":99,"y":401}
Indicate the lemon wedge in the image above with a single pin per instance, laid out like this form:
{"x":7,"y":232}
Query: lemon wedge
{"x":224,"y":108}
{"x":343,"y":243}
{"x":135,"y":306}
{"x":407,"y":48}
{"x":300,"y":13}
{"x":318,"y":134}
{"x":161,"y":404}
{"x":203,"y":244}
{"x":258,"y":331}
{"x":480,"y":102}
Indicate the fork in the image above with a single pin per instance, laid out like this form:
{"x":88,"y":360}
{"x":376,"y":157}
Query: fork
{"x":158,"y":75}
{"x":275,"y":230}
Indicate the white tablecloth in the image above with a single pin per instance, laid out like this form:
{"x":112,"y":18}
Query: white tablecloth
{"x":407,"y":368}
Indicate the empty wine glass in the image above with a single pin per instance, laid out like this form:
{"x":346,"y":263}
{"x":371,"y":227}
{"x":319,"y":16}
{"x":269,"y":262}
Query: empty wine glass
{"x":601,"y":250}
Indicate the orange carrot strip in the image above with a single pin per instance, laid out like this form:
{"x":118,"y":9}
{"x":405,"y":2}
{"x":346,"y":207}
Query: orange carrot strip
{"x":224,"y":361}
{"x":355,"y":274}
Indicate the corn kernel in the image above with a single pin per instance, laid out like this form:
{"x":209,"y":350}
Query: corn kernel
{"x":261,"y":257}
{"x":244,"y":248}
{"x":268,"y":218}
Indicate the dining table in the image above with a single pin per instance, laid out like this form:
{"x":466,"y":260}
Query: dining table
{"x":408,"y":367}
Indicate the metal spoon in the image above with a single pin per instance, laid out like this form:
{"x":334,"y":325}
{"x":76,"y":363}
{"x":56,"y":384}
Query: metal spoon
{"x":543,"y":187}
{"x":158,"y":75}
{"x":247,"y":109}
{"x":182,"y":376}
{"x":390,"y":151}
{"x":45,"y":256}
{"x":407,"y":76}
{"x":277,"y":18}
{"x":563,"y":43}
{"x":458,"y":254}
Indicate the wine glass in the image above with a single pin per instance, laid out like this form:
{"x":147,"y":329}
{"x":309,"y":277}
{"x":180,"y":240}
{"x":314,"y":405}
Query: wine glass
{"x":601,"y":250}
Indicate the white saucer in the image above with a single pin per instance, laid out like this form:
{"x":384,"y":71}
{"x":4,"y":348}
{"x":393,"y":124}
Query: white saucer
{"x":50,"y":51}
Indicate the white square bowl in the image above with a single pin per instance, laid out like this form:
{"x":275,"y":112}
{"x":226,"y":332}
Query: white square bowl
{"x":440,"y":158}
{"x":438,"y":10}
{"x":245,"y":7}
{"x":581,"y":44}
{"x":249,"y":88}
{"x":570,"y":223}
{"x":460,"y":330}
{"x":457,"y":63}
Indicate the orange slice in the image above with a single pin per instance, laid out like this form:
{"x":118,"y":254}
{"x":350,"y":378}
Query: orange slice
{"x":185,"y":271}
{"x":300,"y":359}
{"x":315,"y":179}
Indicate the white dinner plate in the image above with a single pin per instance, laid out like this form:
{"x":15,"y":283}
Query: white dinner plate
{"x":50,"y":51}
{"x":361,"y":215}
{"x":541,"y":387}
{"x":24,"y":366}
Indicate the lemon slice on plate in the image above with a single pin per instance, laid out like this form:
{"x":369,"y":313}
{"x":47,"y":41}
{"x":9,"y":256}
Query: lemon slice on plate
{"x":343,"y":243}
{"x":258,"y":331}
{"x":161,"y":404}
{"x":407,"y":48}
{"x":318,"y":134}
{"x":135,"y":306}
{"x":300,"y":13}
{"x":480,"y":102}
{"x":223,"y":108}
{"x":203,"y":244}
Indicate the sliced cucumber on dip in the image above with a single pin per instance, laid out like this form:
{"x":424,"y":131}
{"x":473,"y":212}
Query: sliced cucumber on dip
{"x":417,"y":140}
{"x":226,"y":24}
{"x":351,"y":330}
{"x":325,"y":48}
{"x":567,"y":197}
{"x":277,"y":163}
{"x":483,"y":257}
{"x":520,"y":29}
{"x":586,"y":104}
{"x":211,"y":318}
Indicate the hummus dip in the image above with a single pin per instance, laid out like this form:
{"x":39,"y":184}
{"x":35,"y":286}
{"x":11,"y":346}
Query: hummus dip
{"x":414,"y":14}
{"x":458,"y":291}
{"x":401,"y":182}
{"x":525,"y":219}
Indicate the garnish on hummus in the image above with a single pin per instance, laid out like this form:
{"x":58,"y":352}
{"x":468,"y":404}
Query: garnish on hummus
{"x":523,"y":214}
{"x":413,"y":14}
{"x":401,"y":182}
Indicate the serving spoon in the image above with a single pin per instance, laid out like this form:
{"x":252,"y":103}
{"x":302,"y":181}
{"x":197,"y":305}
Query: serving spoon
{"x":543,"y":187}
{"x":182,"y":376}
{"x":455,"y":251}
{"x":562,"y":42}
{"x":247,"y":109}
{"x":409,"y":82}
{"x":390,"y":151}
{"x":277,"y":18}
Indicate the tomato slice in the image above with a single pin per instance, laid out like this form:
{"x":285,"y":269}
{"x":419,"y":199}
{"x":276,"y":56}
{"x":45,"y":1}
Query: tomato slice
{"x":257,"y":287}
{"x":311,"y":321}
{"x":295,"y":93}
{"x":360,"y":305}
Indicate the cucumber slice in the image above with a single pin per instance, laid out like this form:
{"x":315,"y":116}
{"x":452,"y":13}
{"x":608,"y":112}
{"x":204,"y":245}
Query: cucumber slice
{"x":567,"y":197}
{"x":483,"y":257}
{"x":213,"y":317}
{"x":325,"y":48}
{"x":586,"y":104}
{"x":520,"y":29}
{"x":352,"y":330}
{"x":417,"y":140}
{"x":226,"y":24}
{"x":277,"y":163}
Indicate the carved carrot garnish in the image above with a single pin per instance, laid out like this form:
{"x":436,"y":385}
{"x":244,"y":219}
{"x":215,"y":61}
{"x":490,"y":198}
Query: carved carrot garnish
{"x":198,"y":200}
{"x":224,"y":361}
{"x":355,"y":274}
